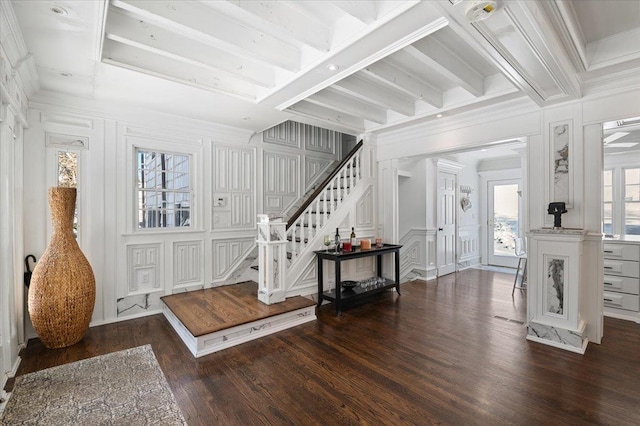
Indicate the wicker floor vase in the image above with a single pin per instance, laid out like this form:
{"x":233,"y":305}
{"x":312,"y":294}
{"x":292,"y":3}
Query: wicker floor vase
{"x":63,"y":289}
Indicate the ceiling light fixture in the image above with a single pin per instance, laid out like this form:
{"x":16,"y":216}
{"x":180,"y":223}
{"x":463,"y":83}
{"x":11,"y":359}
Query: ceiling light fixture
{"x":59,"y":10}
{"x":478,"y":10}
{"x":333,"y":67}
{"x":66,"y":74}
{"x":246,"y":117}
{"x":614,"y":137}
{"x":439,"y":116}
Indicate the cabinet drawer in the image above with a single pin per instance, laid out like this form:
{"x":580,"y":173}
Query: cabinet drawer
{"x":630,"y":302}
{"x":625,"y":268}
{"x":622,"y":251}
{"x":622,"y":284}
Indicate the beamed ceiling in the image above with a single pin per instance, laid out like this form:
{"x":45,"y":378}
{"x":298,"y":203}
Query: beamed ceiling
{"x":254,"y":64}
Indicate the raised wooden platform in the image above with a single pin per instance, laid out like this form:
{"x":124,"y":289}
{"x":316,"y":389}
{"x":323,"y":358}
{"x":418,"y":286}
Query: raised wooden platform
{"x":218,"y":318}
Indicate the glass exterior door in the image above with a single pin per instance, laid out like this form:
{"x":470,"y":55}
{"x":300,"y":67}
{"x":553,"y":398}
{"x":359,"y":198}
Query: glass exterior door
{"x":504,"y":221}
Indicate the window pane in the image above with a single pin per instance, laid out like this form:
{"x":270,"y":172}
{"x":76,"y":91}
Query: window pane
{"x":163,"y":185}
{"x":608,"y":194}
{"x":632,"y":192}
{"x":632,"y":218}
{"x":68,"y":169}
{"x":608,"y":177}
{"x":632,"y":176}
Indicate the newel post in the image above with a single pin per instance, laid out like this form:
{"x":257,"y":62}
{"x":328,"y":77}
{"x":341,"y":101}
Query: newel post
{"x":272,"y":255}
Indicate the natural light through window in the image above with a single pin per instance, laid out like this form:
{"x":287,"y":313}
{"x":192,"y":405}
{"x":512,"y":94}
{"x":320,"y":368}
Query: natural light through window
{"x":505,"y":219}
{"x":164,"y":189}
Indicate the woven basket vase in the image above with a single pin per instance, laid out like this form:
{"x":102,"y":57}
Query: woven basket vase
{"x":62,"y":293}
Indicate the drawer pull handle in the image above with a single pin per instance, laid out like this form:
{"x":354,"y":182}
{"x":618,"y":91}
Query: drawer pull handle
{"x":608,"y":300}
{"x":608,"y":267}
{"x":608,"y":251}
{"x":606,"y":283}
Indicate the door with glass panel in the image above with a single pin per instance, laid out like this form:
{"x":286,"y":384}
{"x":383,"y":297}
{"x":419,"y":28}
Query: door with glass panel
{"x":503,"y":221}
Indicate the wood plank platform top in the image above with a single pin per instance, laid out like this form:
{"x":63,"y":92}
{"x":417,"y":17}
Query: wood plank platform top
{"x":214,"y":309}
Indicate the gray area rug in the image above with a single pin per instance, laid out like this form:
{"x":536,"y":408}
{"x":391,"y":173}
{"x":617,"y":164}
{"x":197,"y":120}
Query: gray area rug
{"x":121,"y":388}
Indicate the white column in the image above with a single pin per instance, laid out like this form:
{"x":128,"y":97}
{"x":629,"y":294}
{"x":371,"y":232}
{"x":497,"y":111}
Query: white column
{"x":272,"y":256}
{"x":556,"y":272}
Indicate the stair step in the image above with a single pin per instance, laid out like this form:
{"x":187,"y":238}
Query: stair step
{"x":306,"y":240}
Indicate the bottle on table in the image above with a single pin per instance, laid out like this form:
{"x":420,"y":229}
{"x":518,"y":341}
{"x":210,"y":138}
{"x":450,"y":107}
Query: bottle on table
{"x":353,"y":239}
{"x":337,"y":240}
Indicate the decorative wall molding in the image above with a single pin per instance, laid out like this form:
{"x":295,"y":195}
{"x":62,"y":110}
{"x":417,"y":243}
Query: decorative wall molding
{"x":313,"y":169}
{"x":162,"y":135}
{"x":280,"y":180}
{"x":365,"y":211}
{"x":448,"y":165}
{"x":234,"y":187}
{"x":413,"y":254}
{"x":285,"y":134}
{"x":143,"y":266}
{"x":228,"y":254}
{"x":66,"y":141}
{"x":67,"y":120}
{"x":469,"y":246}
{"x":188,"y":263}
{"x":319,"y":139}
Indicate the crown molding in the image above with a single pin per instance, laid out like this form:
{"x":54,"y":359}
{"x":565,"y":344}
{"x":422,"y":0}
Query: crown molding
{"x":140,"y":116}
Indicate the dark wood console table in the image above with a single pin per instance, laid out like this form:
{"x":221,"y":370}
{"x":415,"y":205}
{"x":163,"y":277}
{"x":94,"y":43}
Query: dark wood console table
{"x":336,"y":295}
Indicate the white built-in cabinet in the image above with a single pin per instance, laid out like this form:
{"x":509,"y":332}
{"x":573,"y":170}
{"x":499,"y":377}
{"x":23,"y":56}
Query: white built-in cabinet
{"x":621,"y":296}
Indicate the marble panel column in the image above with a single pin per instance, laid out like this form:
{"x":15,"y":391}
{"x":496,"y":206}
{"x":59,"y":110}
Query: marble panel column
{"x":555,"y":273}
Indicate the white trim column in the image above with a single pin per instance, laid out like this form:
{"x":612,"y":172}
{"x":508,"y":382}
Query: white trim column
{"x":556,"y":272}
{"x":272,"y":257}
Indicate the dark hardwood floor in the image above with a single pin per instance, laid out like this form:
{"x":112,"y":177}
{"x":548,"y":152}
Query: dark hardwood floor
{"x":451,"y":351}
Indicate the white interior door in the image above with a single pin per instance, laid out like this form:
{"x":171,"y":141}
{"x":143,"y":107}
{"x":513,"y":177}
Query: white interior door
{"x":503,"y":221}
{"x":446,"y":220}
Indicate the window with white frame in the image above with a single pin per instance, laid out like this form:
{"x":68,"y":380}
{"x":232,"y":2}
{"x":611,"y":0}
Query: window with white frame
{"x":67,"y":169}
{"x":621,"y":201}
{"x":164,"y":189}
{"x":632,"y":201}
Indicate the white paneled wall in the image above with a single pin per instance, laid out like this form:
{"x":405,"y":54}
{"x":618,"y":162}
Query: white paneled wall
{"x":234,"y":177}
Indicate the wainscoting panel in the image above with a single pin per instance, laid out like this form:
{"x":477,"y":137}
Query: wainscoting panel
{"x":188,"y":265}
{"x":413,"y":254}
{"x":320,"y":140}
{"x":313,"y":168}
{"x":143,"y":266}
{"x":281,"y":173}
{"x":285,"y":134}
{"x":468,"y":246}
{"x":432,"y":270}
{"x":229,"y":253}
{"x":365,"y":210}
{"x":233,"y":187}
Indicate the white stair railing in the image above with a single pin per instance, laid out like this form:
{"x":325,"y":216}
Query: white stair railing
{"x":315,"y":216}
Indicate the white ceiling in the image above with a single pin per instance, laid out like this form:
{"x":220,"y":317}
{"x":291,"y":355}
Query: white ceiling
{"x":253,"y":64}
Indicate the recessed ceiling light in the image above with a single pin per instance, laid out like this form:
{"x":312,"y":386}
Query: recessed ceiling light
{"x":483,"y":150}
{"x":59,"y":10}
{"x":614,"y":137}
{"x":66,"y":74}
{"x":333,"y":67}
{"x":439,"y":116}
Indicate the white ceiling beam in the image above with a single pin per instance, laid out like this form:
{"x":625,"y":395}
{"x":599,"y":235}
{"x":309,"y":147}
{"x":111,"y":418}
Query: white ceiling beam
{"x":197,"y":22}
{"x":325,"y":114}
{"x":437,"y":57}
{"x":340,"y":102}
{"x":393,"y":31}
{"x":406,"y":82}
{"x":128,"y":30}
{"x":364,"y":11}
{"x":279,"y":19}
{"x":149,"y":62}
{"x":360,"y":88}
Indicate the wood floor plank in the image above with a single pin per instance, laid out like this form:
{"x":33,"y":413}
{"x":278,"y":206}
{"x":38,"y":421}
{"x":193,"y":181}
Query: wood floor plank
{"x":448,"y":351}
